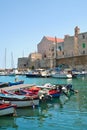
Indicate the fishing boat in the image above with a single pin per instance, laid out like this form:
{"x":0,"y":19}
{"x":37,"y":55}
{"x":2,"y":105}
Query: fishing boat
{"x":46,"y":91}
{"x":20,"y":100}
{"x":56,"y":90}
{"x":16,"y":83}
{"x":7,"y":109}
{"x":4,"y":84}
{"x":33,"y":74}
{"x":62,"y":75}
{"x":45,"y":73}
{"x":54,"y":93}
{"x":29,"y":91}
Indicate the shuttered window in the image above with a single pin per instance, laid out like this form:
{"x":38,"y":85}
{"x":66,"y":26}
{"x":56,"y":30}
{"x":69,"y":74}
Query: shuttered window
{"x":83,"y":45}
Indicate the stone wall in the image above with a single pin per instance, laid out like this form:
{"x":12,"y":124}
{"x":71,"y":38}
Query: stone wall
{"x":79,"y":62}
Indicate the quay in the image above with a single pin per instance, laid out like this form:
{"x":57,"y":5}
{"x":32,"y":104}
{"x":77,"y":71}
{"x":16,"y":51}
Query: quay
{"x":16,"y":87}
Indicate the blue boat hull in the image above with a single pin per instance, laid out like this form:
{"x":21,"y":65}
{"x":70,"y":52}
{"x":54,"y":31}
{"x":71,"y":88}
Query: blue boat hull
{"x":16,"y":83}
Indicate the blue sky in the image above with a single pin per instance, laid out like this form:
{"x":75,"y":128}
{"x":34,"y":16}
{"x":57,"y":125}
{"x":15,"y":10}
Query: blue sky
{"x":23,"y":23}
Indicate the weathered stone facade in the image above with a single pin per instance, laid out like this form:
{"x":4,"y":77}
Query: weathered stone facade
{"x":48,"y":46}
{"x":71,"y":50}
{"x":33,"y":61}
{"x":79,"y":62}
{"x":23,"y":63}
{"x":75,"y":45}
{"x":35,"y":56}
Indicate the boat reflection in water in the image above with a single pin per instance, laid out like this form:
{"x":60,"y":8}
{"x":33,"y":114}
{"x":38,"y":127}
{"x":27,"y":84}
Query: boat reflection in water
{"x":37,"y":114}
{"x":44,"y":106}
{"x":7,"y":122}
{"x":27,"y":112}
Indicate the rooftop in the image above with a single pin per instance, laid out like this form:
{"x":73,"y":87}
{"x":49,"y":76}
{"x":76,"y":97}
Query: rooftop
{"x":54,"y":39}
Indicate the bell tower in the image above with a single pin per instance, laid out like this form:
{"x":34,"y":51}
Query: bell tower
{"x":76,"y":45}
{"x":76,"y":31}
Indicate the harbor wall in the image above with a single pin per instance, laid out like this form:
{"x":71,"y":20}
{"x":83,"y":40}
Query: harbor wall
{"x":79,"y":62}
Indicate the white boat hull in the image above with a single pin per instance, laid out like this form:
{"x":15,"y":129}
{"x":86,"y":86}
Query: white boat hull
{"x":62,"y":75}
{"x":20,"y":100}
{"x":26,"y":103}
{"x":7,"y":111}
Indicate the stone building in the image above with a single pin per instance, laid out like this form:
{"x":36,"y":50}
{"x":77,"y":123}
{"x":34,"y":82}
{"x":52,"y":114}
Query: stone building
{"x":75,"y":45}
{"x":50,"y":48}
{"x":52,"y":51}
{"x":22,"y":63}
{"x":35,"y":56}
{"x":34,"y":60}
{"x":75,"y":50}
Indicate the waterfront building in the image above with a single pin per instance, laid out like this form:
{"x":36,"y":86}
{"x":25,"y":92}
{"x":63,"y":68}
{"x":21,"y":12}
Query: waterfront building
{"x":75,"y":50}
{"x":50,"y":48}
{"x":52,"y":51}
{"x":35,"y":56}
{"x":34,"y":60}
{"x":75,"y":45}
{"x":48,"y":45}
{"x":22,"y":63}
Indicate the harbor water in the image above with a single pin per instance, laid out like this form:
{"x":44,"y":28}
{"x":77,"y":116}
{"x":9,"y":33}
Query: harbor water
{"x":58,"y":114}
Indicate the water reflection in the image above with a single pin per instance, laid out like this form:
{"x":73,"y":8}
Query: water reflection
{"x":52,"y":113}
{"x":30,"y":118}
{"x":69,"y":81}
{"x":59,"y":114}
{"x":40,"y":113}
{"x":27,"y":112}
{"x":7,"y":122}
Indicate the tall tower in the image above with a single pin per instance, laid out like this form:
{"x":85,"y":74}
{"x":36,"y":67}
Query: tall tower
{"x":77,"y":31}
{"x":76,"y":45}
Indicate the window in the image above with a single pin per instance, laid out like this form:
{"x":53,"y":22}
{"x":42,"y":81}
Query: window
{"x":83,"y":52}
{"x":83,"y":45}
{"x":52,"y":49}
{"x":83,"y":36}
{"x":59,"y":48}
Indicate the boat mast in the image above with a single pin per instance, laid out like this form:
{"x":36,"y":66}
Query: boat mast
{"x":5,"y":58}
{"x":12,"y":62}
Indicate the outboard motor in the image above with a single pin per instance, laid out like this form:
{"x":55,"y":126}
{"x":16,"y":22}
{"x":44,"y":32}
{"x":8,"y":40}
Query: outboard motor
{"x":69,"y":86}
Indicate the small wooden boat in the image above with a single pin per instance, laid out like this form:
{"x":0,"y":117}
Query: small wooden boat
{"x":33,"y":74}
{"x":20,"y":100}
{"x":16,"y":83}
{"x":54,"y":93}
{"x":30,"y":91}
{"x":62,"y":75}
{"x":45,"y":91}
{"x":7,"y":109}
{"x":3,"y":84}
{"x":45,"y":73}
{"x":56,"y":90}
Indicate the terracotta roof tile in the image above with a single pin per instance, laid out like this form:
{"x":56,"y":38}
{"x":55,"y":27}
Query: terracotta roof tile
{"x":53,"y":39}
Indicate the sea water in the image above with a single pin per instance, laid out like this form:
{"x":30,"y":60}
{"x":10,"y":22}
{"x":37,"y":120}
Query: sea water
{"x":67,"y":114}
